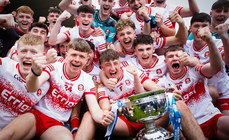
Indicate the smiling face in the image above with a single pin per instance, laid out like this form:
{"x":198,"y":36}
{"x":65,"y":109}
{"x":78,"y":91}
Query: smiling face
{"x":173,"y":63}
{"x":219,"y":16}
{"x":24,"y":21}
{"x":85,"y":20}
{"x":126,"y":38}
{"x":111,"y":68}
{"x":136,"y":4}
{"x":25,"y":54}
{"x":144,"y":52}
{"x":75,"y":61}
{"x":106,"y":7}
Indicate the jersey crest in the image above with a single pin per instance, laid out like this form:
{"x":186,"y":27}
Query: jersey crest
{"x":80,"y":87}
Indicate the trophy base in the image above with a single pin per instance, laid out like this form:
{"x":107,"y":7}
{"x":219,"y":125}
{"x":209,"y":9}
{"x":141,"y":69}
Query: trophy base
{"x":155,"y":134}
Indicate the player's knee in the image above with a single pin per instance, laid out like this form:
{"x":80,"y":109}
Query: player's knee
{"x":6,"y":134}
{"x":87,"y":115}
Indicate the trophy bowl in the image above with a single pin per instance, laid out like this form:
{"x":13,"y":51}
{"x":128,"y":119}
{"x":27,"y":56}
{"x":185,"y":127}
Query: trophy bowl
{"x":146,"y":108}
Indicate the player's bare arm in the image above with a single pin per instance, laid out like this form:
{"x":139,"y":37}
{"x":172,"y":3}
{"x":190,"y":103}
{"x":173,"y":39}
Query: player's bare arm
{"x":55,"y":36}
{"x":102,"y":117}
{"x":137,"y":83}
{"x":193,"y":9}
{"x":182,"y":33}
{"x":222,"y":29}
{"x":216,"y":62}
{"x":66,"y":5}
{"x":187,"y":60}
{"x":36,"y":77}
{"x":165,"y":29}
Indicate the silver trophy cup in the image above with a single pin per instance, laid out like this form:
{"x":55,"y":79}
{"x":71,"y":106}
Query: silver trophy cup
{"x":146,"y":108}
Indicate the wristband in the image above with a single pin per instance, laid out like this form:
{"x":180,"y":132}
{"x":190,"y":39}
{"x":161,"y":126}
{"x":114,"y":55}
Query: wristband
{"x":34,"y":73}
{"x":146,"y":21}
{"x":74,"y":124}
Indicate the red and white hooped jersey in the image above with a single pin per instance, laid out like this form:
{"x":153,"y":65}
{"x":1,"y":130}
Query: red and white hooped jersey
{"x":15,"y":99}
{"x":221,"y":79}
{"x":123,"y":88}
{"x":64,"y":93}
{"x":94,"y":73}
{"x":139,"y":23}
{"x":194,"y":92}
{"x":98,"y":41}
{"x":156,"y":71}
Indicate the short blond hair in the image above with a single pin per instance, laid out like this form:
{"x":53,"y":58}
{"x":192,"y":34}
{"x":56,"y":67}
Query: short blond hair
{"x":123,"y":23}
{"x":30,"y":39}
{"x":24,"y":9}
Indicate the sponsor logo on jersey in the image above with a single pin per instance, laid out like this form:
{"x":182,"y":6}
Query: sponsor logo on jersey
{"x":80,"y":87}
{"x":63,"y":100}
{"x":17,"y":77}
{"x":16,"y":103}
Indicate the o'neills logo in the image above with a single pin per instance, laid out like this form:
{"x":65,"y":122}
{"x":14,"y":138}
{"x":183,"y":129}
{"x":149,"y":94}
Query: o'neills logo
{"x":14,"y":102}
{"x":80,"y":87}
